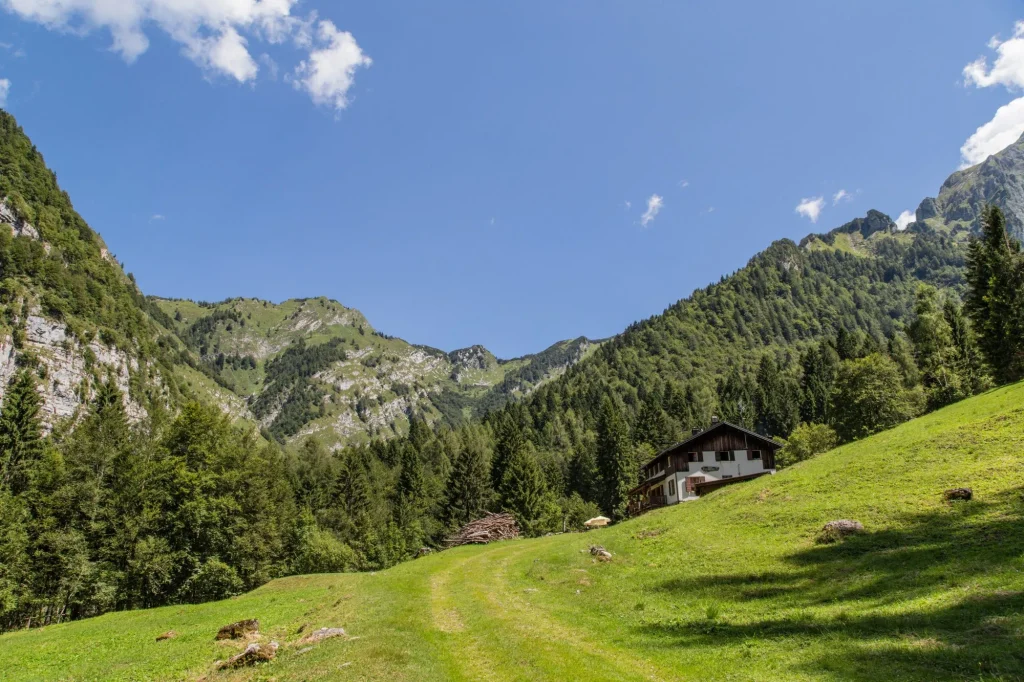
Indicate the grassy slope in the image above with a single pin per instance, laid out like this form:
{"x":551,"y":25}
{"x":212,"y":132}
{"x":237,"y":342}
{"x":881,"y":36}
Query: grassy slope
{"x":730,"y":587}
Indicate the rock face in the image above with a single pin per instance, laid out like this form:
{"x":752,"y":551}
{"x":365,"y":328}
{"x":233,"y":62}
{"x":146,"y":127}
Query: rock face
{"x":19,"y":227}
{"x":360,"y":384}
{"x":66,"y":386}
{"x":998,"y":180}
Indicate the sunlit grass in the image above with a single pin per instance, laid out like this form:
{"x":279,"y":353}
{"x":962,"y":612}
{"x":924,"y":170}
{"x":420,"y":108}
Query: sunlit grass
{"x":730,"y":587}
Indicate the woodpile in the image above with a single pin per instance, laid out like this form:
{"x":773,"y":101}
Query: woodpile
{"x":488,"y":529}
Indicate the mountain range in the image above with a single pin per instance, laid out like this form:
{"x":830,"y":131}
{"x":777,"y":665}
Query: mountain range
{"x":315,"y":367}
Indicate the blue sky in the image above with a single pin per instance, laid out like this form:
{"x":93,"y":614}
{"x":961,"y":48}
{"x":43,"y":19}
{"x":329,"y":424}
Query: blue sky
{"x":479,"y":172}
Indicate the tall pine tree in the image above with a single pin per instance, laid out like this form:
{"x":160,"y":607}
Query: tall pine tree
{"x":614,"y":460}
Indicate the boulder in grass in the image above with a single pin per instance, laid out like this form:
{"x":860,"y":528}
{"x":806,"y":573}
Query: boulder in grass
{"x":322,"y":634}
{"x":834,"y":531}
{"x":601,"y":553}
{"x":253,"y":654}
{"x":958,"y":495}
{"x":239,"y":630}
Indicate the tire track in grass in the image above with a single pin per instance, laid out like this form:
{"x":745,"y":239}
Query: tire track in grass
{"x":461,"y":648}
{"x":547,"y":648}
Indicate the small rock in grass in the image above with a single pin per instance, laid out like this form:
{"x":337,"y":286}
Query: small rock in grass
{"x":958,"y":494}
{"x":834,"y":531}
{"x":253,"y":654}
{"x":322,"y":634}
{"x":238,"y":630}
{"x":170,"y":634}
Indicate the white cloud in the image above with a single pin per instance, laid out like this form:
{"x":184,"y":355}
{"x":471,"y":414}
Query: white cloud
{"x":1008,"y":68}
{"x":330,"y":70}
{"x":654,"y":205}
{"x":5,"y":88}
{"x":841,"y":195}
{"x":158,"y":216}
{"x":628,"y":204}
{"x":905,"y":219}
{"x":811,"y":208}
{"x":1004,"y":129}
{"x":215,"y":34}
{"x":684,"y":183}
{"x":1007,"y":125}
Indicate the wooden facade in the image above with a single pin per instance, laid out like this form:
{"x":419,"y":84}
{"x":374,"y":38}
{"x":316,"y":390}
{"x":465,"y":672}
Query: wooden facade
{"x":704,"y":462}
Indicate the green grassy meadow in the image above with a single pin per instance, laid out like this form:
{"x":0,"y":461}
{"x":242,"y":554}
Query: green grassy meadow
{"x":731,"y":587}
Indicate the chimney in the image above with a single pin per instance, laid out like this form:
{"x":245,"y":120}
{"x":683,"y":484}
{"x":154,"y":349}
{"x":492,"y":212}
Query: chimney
{"x":714,"y":419}
{"x":695,"y":430}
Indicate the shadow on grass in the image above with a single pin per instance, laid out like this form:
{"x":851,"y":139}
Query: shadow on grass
{"x":963,"y":563}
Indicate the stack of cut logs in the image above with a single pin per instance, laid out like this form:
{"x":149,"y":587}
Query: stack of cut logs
{"x":488,"y":529}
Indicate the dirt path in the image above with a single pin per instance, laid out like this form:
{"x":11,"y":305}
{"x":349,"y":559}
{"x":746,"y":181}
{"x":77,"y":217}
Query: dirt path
{"x":489,"y":626}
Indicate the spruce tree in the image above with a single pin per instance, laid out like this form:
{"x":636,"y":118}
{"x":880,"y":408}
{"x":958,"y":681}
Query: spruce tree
{"x":508,"y":441}
{"x":467,"y":491}
{"x":21,"y":441}
{"x":777,"y":399}
{"x":523,"y":491}
{"x":614,"y":460}
{"x":994,"y":296}
{"x":820,"y":364}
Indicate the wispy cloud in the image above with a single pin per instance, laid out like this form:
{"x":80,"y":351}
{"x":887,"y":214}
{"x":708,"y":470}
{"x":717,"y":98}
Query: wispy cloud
{"x":654,"y":205}
{"x":5,"y":89}
{"x":1008,"y":123}
{"x":841,"y":195}
{"x":905,"y":219}
{"x":157,"y":216}
{"x":628,"y":204}
{"x":811,"y":208}
{"x":709,"y":209}
{"x":684,"y":183}
{"x":216,"y":35}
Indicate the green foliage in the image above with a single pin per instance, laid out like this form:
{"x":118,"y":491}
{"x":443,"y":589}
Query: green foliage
{"x":468,"y":488}
{"x":615,"y":464}
{"x":524,"y":493}
{"x":995,"y":296}
{"x":869,"y":397}
{"x":20,"y":434}
{"x":806,"y":441}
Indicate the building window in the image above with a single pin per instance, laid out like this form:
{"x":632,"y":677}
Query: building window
{"x":695,"y":456}
{"x":672,"y":487}
{"x":725,"y":456}
{"x":755,"y":454}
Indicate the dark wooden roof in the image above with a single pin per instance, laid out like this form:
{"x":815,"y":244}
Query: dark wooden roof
{"x":770,"y":443}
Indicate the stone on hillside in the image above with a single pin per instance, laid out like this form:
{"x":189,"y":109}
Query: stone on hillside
{"x":833,"y":531}
{"x":170,"y":634}
{"x":424,"y":551}
{"x":242,"y":628}
{"x":253,"y":654}
{"x":601,"y":553}
{"x":958,"y":494}
{"x":322,"y":634}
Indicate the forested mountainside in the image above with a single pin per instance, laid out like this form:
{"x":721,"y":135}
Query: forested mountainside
{"x":143,"y":496}
{"x":314,"y":367}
